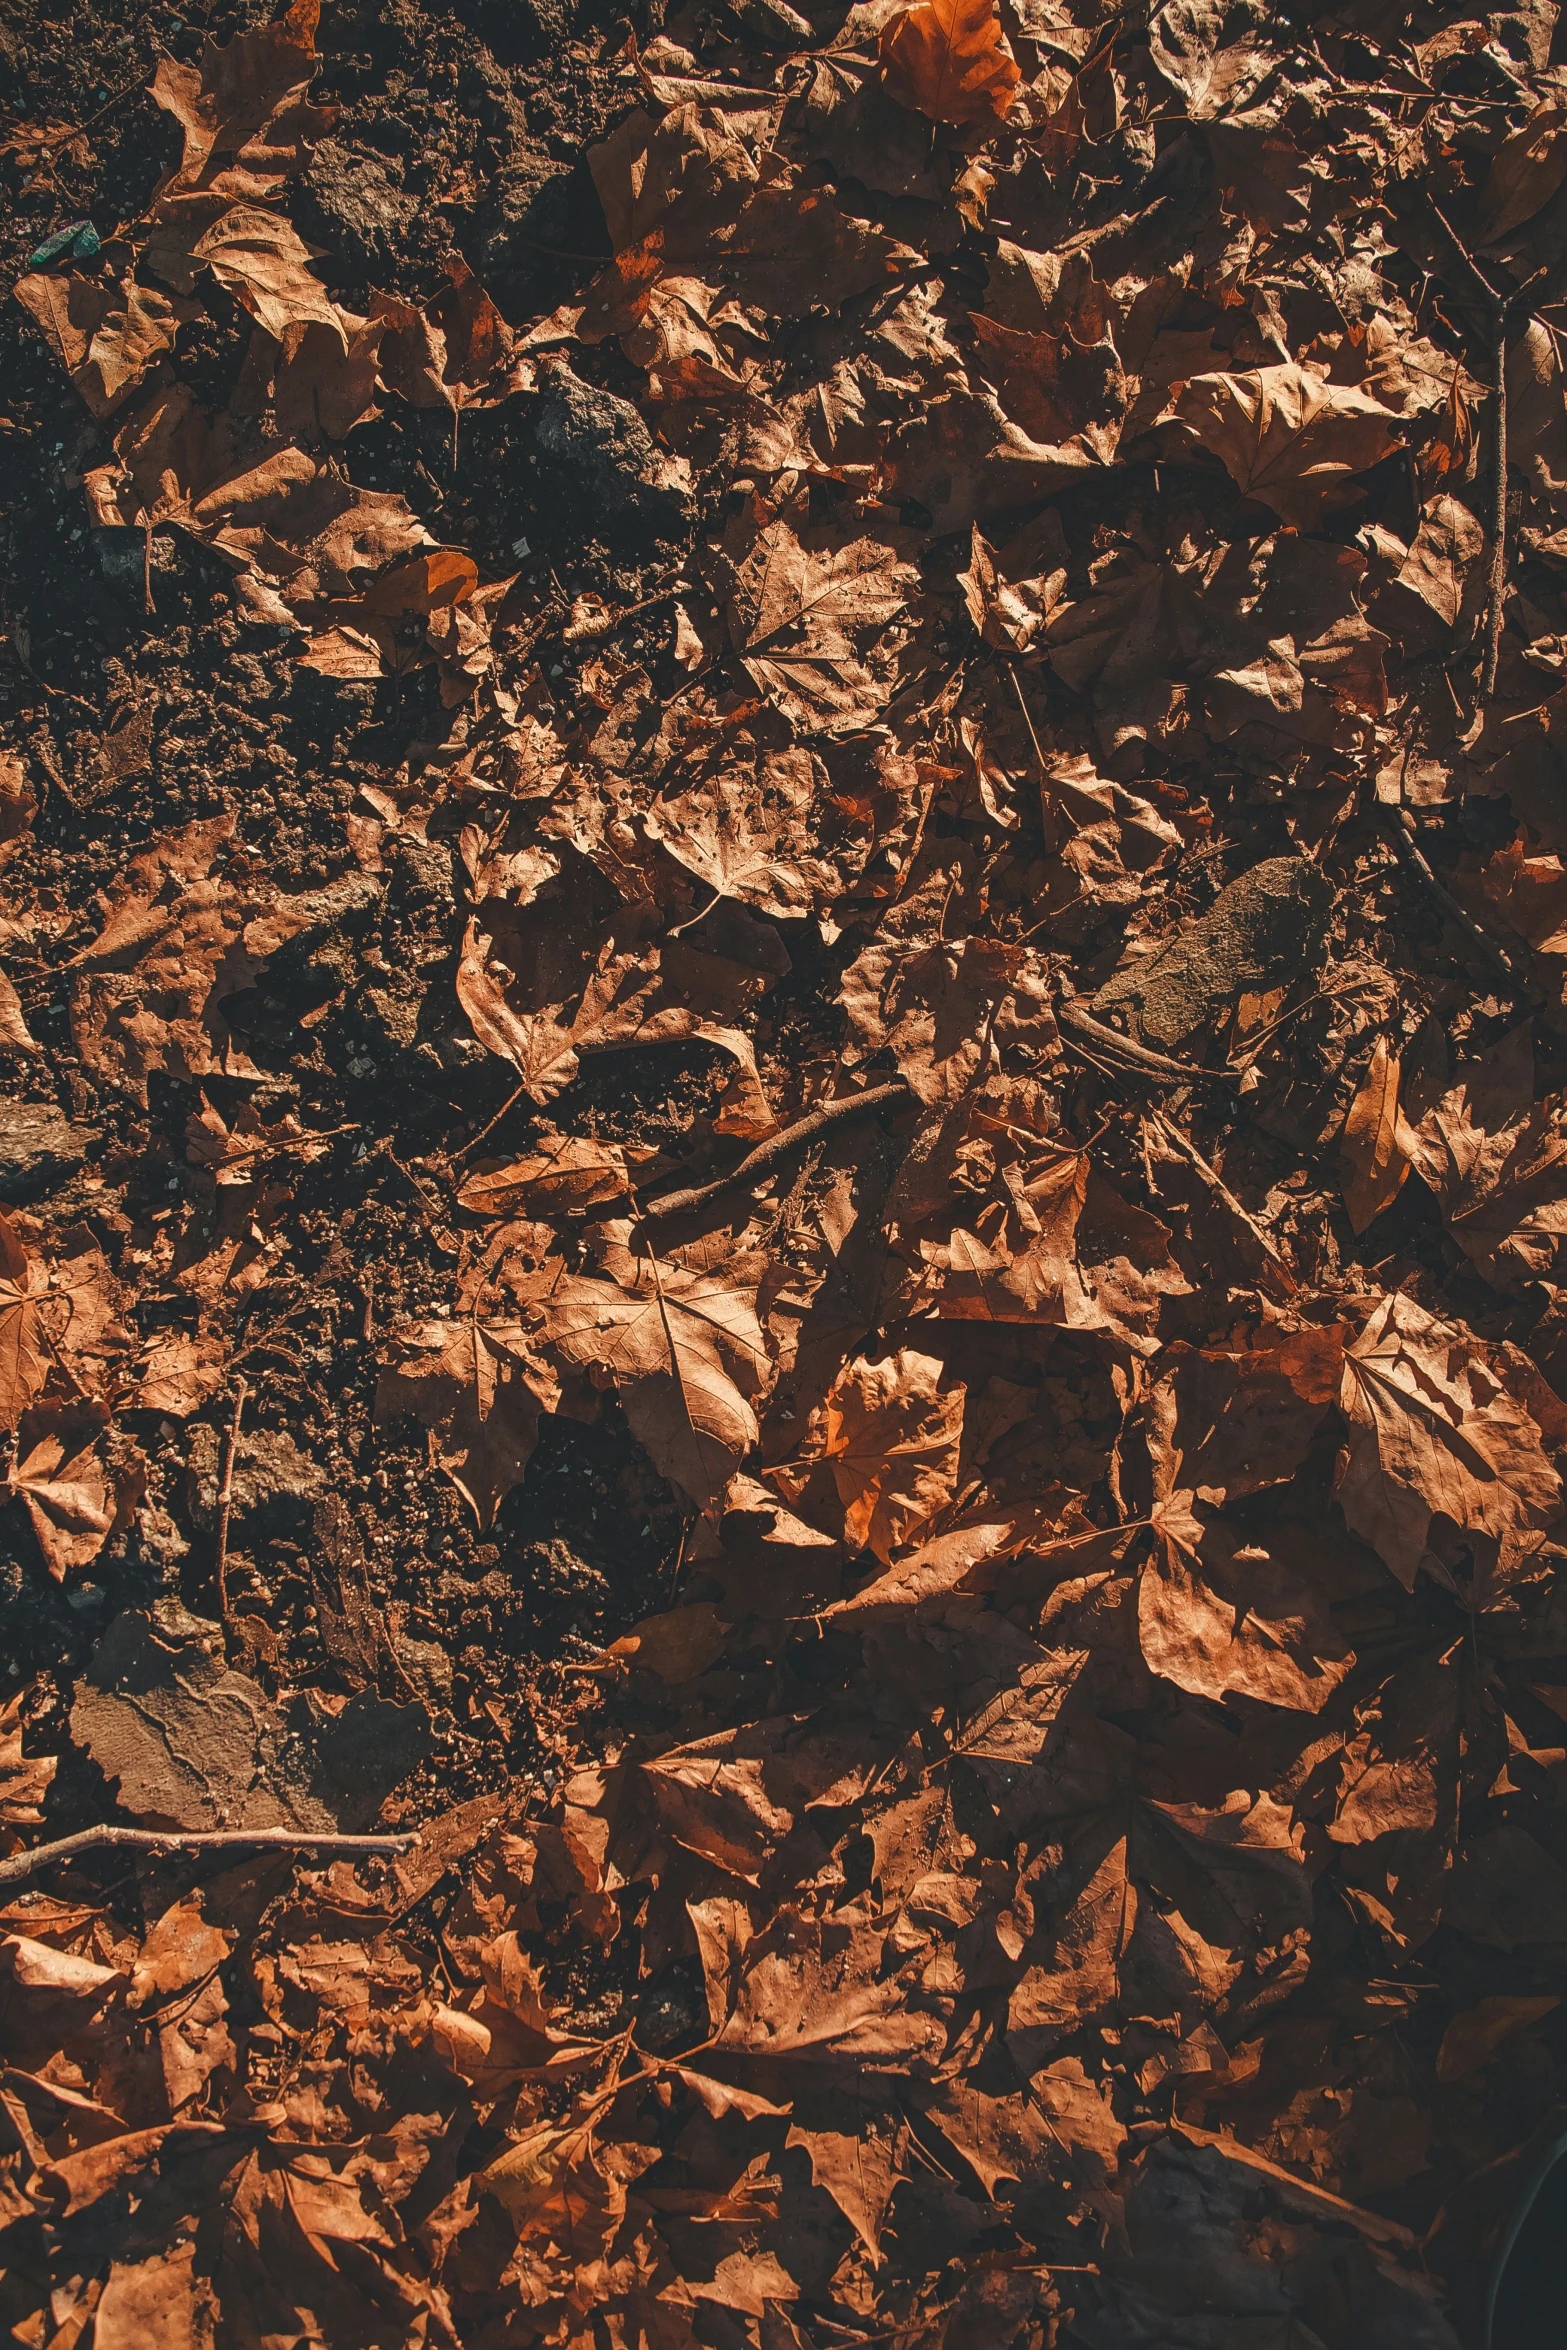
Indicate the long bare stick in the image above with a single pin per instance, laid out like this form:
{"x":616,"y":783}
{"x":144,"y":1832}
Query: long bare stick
{"x":226,"y":1501}
{"x":1498,"y":587}
{"x":1502,"y":305}
{"x":1111,"y":1040}
{"x":777,"y":1146}
{"x":25,"y":1864}
{"x":1446,"y":900}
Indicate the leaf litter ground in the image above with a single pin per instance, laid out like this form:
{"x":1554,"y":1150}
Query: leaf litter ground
{"x":781,"y":953}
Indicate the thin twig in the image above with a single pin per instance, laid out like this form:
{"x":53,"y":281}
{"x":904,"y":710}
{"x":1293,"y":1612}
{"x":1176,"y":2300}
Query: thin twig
{"x":778,"y":1146}
{"x":1111,"y":1040}
{"x":226,"y":1502}
{"x":1493,"y":954}
{"x":1221,"y":1190}
{"x":25,"y":1864}
{"x":474,"y":1140}
{"x":1498,"y":586}
{"x":1502,"y":305}
{"x":1039,"y":754}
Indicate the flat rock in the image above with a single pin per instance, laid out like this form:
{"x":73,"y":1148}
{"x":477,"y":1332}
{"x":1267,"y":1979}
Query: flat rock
{"x":189,"y":1743}
{"x":600,"y":463}
{"x":361,"y":197}
{"x":1266,"y":929}
{"x":39,"y":1148}
{"x":274,"y":1483}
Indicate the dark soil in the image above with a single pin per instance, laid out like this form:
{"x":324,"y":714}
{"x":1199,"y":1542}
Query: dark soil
{"x":460,"y":131}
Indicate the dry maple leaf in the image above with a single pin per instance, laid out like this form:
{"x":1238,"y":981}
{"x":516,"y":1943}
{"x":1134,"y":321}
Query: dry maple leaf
{"x":1496,"y":1161}
{"x":683,"y":1348}
{"x":890,"y":1433}
{"x":951,"y":60}
{"x":747,"y":837}
{"x":1228,"y":1421}
{"x":23,"y":1282}
{"x":1220,"y":1616}
{"x":1186,"y":42}
{"x":1287,"y":437}
{"x":106,"y":338}
{"x":565,"y":1175}
{"x":1012,"y":593}
{"x":24,"y":1780}
{"x":480,"y":1390}
{"x":803,"y":624}
{"x":242,"y":110}
{"x":946,"y":1010}
{"x":1436,"y":1434}
{"x":260,"y":259}
{"x":74,"y":1501}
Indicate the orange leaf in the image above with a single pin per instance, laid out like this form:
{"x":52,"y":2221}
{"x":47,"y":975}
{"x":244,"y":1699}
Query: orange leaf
{"x":950,"y":59}
{"x":424,"y":583}
{"x":1372,"y":1146}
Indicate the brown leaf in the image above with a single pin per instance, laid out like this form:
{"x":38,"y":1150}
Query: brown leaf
{"x":1524,"y":174}
{"x":25,"y":1780}
{"x":1434,"y":1434}
{"x":242,"y":110}
{"x":22,"y":1364}
{"x":1220,"y":1616}
{"x":479,"y":1389}
{"x":950,"y":59}
{"x":890,"y":1432}
{"x":261,"y":261}
{"x":683,"y":1348}
{"x":107,"y":345}
{"x":567,"y":1174}
{"x":1287,"y":437}
{"x":1474,"y":2037}
{"x":748,"y":838}
{"x":809,"y":627}
{"x":1375,"y":1143}
{"x":75,"y":1500}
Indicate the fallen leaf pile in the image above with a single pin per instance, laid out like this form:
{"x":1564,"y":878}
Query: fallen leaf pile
{"x":1077,"y":1856}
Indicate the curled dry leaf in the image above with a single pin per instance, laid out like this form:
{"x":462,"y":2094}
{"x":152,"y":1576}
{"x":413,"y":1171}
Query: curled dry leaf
{"x":1375,"y":1146}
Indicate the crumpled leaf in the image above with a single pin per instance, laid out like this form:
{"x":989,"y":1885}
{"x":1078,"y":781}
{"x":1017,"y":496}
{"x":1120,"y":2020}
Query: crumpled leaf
{"x":1288,"y":438}
{"x":1436,"y":1432}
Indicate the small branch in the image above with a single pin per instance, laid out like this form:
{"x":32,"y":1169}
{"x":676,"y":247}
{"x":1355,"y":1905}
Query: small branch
{"x":1221,"y":1190}
{"x":1039,"y":754}
{"x":474,"y":1140}
{"x":1498,"y":587}
{"x":226,"y":1504}
{"x":1110,"y":1040}
{"x":1449,"y":904}
{"x":778,"y":1146}
{"x":1501,"y":305}
{"x":25,"y":1864}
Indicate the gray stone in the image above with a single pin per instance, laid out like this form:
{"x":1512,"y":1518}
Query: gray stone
{"x":188,"y":1743}
{"x":361,"y":197}
{"x":601,"y":461}
{"x":1266,"y":929}
{"x":275,"y":1484}
{"x":39,"y":1148}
